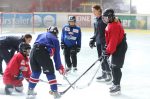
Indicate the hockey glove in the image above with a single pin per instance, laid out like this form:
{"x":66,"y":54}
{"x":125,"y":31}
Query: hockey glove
{"x":92,"y":43}
{"x":18,"y":77}
{"x":62,"y":45}
{"x":61,"y":70}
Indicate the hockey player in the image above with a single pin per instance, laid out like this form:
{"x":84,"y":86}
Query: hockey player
{"x":116,"y":47}
{"x":8,"y":46}
{"x":99,"y":38}
{"x":71,"y":43}
{"x":45,"y":46}
{"x":17,"y":69}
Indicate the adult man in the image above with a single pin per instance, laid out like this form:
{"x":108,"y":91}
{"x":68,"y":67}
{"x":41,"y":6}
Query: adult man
{"x":71,"y":42}
{"x":99,"y":38}
{"x":8,"y":46}
{"x":116,"y":46}
{"x":45,"y":46}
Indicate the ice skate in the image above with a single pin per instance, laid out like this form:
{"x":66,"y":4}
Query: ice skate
{"x":75,"y":69}
{"x":115,"y":90}
{"x":31,"y":94}
{"x":102,"y":77}
{"x":55,"y":94}
{"x":68,"y":71}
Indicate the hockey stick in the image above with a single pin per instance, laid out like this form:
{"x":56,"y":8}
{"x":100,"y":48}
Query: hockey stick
{"x":48,"y":82}
{"x":68,"y":81}
{"x":79,"y":77}
{"x":89,"y":83}
{"x":64,"y":59}
{"x":66,"y":68}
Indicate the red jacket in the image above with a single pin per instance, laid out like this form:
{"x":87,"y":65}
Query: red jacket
{"x":17,"y":64}
{"x":114,"y":34}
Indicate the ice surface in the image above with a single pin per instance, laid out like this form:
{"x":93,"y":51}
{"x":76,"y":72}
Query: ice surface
{"x":135,"y":83}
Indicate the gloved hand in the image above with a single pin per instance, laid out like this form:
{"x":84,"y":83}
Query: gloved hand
{"x":78,"y":49}
{"x":62,"y":70}
{"x":92,"y":43}
{"x":18,"y":77}
{"x":62,"y":45}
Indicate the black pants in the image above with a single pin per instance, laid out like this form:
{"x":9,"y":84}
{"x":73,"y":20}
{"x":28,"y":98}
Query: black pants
{"x":117,"y":61}
{"x":105,"y":64}
{"x":4,"y":55}
{"x":40,"y":59}
{"x":70,"y":54}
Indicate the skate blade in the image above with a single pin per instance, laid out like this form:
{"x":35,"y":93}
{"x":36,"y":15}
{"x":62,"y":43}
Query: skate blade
{"x":31,"y":97}
{"x":115,"y":93}
{"x":102,"y":80}
{"x":109,"y":82}
{"x":57,"y":97}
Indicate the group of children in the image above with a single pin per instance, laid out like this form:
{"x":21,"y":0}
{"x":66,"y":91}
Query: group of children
{"x":109,"y":37}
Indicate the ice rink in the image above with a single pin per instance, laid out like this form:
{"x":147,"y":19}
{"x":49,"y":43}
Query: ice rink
{"x":135,"y":82}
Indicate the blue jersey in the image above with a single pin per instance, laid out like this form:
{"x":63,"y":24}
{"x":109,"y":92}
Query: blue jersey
{"x":71,"y":36}
{"x":51,"y":42}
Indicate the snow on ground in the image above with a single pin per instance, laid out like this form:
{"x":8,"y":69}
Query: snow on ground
{"x":135,"y":82}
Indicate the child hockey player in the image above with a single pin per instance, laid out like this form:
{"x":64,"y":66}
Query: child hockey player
{"x":116,"y":46}
{"x":45,"y":46}
{"x":71,"y":43}
{"x":17,"y":69}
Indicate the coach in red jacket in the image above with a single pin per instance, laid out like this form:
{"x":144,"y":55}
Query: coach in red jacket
{"x":17,"y":69}
{"x":116,"y":46}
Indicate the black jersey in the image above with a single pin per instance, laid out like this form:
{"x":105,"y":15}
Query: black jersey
{"x":99,"y":31}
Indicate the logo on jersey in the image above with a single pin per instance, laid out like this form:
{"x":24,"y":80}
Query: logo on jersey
{"x":22,"y":62}
{"x":71,"y":33}
{"x":27,"y":62}
{"x":67,"y":29}
{"x":71,"y":37}
{"x":23,"y":68}
{"x":75,"y":30}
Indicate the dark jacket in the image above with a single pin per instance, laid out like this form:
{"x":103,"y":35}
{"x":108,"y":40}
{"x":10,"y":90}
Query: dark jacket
{"x":11,"y":42}
{"x":99,"y":31}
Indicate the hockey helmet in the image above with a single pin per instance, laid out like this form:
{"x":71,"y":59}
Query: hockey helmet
{"x":71,"y":19}
{"x":24,"y":48}
{"x":53,"y":30}
{"x":108,"y":15}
